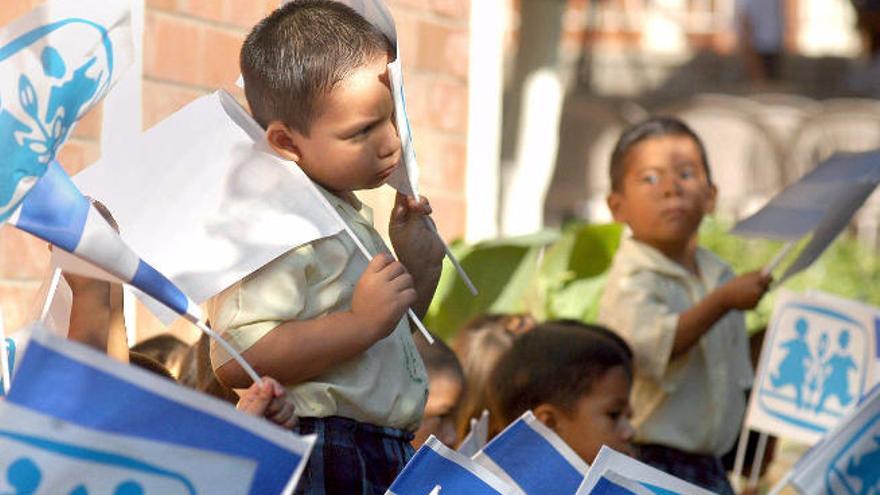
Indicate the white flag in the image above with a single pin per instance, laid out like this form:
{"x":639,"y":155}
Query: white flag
{"x":651,"y":478}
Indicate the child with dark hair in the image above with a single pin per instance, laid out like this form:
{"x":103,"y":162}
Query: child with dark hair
{"x":446,"y":386}
{"x":576,"y":380}
{"x":677,"y":305}
{"x":478,"y":344}
{"x":166,"y":349}
{"x":326,"y":323}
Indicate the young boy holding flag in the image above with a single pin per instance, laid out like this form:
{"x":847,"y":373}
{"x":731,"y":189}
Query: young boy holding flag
{"x":325,"y":322}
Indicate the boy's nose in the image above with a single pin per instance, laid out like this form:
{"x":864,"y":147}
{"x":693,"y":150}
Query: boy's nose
{"x":390,"y":143}
{"x":672,"y":187}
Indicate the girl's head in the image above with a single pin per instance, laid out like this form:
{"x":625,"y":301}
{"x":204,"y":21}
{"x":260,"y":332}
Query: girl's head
{"x":575,"y":378}
{"x":478,"y":345}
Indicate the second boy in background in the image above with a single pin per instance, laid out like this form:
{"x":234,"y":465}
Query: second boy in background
{"x":677,"y":305}
{"x":320,"y":319}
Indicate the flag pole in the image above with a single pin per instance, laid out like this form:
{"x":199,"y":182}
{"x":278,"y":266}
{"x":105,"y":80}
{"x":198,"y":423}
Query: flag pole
{"x":740,"y":457}
{"x":451,"y":257}
{"x":227,"y":347}
{"x":758,"y":461}
{"x":774,"y":263}
{"x":4,"y":357}
{"x":50,"y":295}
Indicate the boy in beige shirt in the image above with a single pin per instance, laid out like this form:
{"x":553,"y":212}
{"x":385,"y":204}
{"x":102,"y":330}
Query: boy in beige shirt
{"x":327,"y":324}
{"x":677,"y":305}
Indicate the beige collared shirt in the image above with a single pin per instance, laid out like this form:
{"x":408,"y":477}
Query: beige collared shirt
{"x":695,"y":402}
{"x":386,"y":385}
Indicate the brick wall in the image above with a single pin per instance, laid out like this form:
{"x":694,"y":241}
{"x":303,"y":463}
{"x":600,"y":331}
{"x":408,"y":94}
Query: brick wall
{"x":191,"y":47}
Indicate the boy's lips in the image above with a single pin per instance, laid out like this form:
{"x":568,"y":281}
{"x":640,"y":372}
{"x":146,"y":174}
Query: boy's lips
{"x":387,"y":171}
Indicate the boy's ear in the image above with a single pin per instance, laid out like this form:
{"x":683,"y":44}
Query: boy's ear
{"x":283,"y":140}
{"x":713,"y":195}
{"x":547,"y":414}
{"x":615,"y":205}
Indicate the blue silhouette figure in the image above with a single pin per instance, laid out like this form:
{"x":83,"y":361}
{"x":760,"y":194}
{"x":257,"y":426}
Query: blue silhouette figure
{"x":23,"y":476}
{"x":837,"y":369}
{"x":867,"y":470}
{"x":129,"y":488}
{"x":66,"y":100}
{"x":792,"y":370}
{"x":19,"y":160}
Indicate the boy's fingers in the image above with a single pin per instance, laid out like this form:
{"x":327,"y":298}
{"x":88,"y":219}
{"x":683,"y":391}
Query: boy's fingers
{"x":379,"y":262}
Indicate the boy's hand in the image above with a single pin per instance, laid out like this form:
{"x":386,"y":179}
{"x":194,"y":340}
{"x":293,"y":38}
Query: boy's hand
{"x":382,"y":295}
{"x":418,"y":247}
{"x":268,"y":399}
{"x":746,"y":291}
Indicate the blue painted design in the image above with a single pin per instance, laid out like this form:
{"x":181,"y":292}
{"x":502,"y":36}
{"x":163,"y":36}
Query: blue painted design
{"x":607,"y":487}
{"x":798,"y":388}
{"x":516,"y":450}
{"x":55,"y":210}
{"x":68,"y":92}
{"x":113,"y":405}
{"x":428,"y":469}
{"x":149,"y":280}
{"x":856,"y":467}
{"x":658,"y":490}
{"x":96,"y":456}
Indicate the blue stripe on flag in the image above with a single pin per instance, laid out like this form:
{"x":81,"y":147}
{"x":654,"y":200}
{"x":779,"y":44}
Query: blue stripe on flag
{"x":530,"y":460}
{"x":149,"y":280}
{"x":427,"y":469}
{"x":58,"y":386}
{"x":55,"y":210}
{"x":607,"y":487}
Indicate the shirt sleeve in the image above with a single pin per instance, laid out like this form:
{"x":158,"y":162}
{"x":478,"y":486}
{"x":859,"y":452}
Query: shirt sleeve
{"x":633,"y":307}
{"x":247,"y":311}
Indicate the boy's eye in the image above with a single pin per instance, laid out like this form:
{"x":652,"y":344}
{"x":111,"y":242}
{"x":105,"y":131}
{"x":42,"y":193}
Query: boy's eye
{"x":687,"y":173}
{"x":650,"y":178}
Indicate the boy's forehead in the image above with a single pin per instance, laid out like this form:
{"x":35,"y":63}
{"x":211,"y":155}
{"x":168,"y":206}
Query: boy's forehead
{"x":661,"y":150}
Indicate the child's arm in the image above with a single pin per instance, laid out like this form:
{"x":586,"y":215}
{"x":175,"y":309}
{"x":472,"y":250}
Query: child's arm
{"x":743,"y":292}
{"x":296,"y":351}
{"x":417,"y":246}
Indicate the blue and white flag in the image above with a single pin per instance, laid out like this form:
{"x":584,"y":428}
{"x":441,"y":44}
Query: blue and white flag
{"x":533,"y":459}
{"x":56,"y":63}
{"x":656,"y":481}
{"x":90,"y":392}
{"x":612,"y":483}
{"x":820,"y":355}
{"x":438,"y":469}
{"x":847,"y":461}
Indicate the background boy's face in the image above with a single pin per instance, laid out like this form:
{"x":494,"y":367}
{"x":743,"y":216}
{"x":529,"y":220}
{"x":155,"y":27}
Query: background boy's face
{"x":599,"y":418}
{"x":353,"y":142}
{"x":665,"y":191}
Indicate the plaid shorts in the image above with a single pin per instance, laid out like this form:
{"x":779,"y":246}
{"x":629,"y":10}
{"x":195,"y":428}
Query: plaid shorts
{"x":352,"y":458}
{"x":702,"y":470}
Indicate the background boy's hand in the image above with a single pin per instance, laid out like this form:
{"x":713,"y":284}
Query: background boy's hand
{"x":746,"y":290}
{"x":418,"y":247}
{"x":382,"y":295}
{"x":268,"y":399}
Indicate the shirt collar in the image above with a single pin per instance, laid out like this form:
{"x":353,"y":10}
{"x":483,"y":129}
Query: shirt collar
{"x":353,"y":209}
{"x":712,"y":269}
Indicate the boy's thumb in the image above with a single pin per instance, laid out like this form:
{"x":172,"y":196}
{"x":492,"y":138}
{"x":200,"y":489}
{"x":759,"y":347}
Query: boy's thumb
{"x":379,"y":262}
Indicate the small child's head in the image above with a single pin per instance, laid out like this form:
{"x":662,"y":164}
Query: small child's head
{"x":166,"y":349}
{"x":315,"y":76}
{"x":478,"y":344}
{"x":575,"y":378}
{"x":661,"y":186}
{"x":445,"y":389}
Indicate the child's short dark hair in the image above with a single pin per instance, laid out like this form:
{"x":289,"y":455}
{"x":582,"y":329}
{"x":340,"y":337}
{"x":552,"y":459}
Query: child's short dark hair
{"x":651,"y":128}
{"x":296,"y":55}
{"x":556,"y":363}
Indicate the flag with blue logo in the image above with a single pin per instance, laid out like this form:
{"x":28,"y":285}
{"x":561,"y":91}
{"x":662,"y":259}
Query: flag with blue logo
{"x":847,"y":461}
{"x":612,"y":483}
{"x":56,"y":63}
{"x":436,"y":468}
{"x":93,"y":420}
{"x":654,"y":480}
{"x":533,"y":459}
{"x":820,"y":355}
